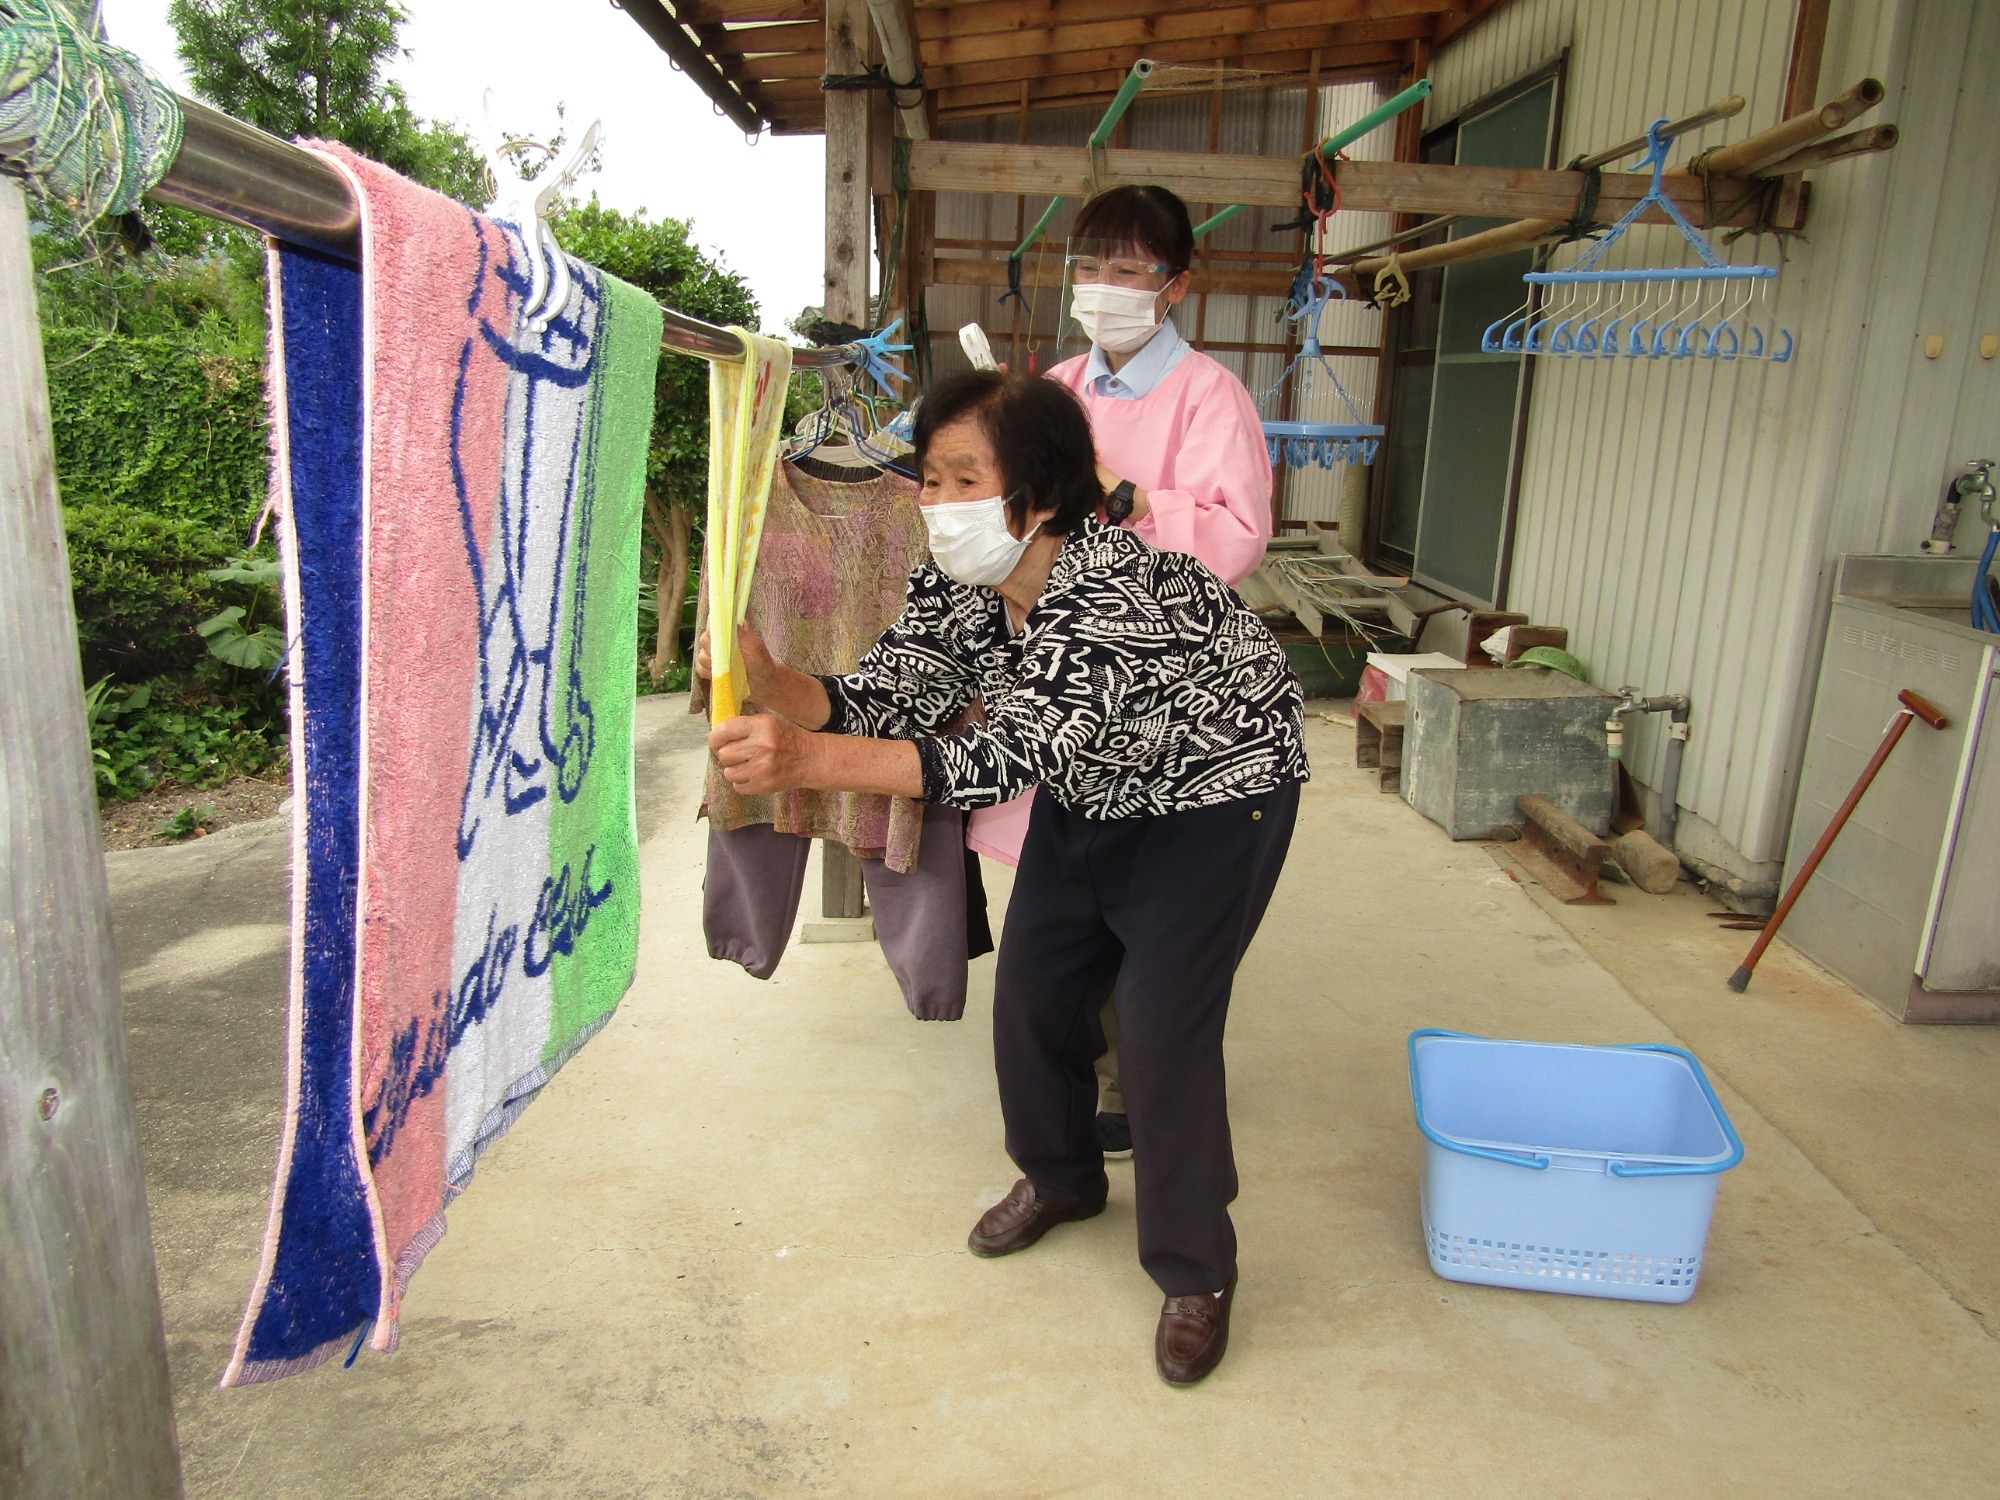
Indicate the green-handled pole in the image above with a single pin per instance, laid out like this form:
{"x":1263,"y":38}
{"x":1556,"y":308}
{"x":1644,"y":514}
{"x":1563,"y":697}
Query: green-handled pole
{"x":1416,"y":93}
{"x":1099,"y":138}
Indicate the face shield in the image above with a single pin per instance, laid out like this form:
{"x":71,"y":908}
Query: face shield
{"x":1113,"y":296}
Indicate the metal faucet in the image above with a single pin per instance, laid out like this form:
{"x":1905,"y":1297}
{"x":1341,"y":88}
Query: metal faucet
{"x":1976,"y":480}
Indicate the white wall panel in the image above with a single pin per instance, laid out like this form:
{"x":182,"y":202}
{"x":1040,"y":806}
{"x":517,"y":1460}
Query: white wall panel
{"x":1681,"y":517}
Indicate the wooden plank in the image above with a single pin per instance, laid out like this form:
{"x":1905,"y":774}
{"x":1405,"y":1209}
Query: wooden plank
{"x":1160,"y":36}
{"x":86,"y":1409}
{"x":1808,"y":45}
{"x":940,"y":22}
{"x":846,"y":37}
{"x":1273,"y":181}
{"x":804,"y":36}
{"x":956,"y":271}
{"x":715,"y":12}
{"x":1058,"y":90}
{"x":842,"y":894}
{"x":1263,"y":52}
{"x":789,"y":65}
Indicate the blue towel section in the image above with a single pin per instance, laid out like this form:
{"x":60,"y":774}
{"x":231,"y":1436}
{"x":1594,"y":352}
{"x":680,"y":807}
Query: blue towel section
{"x":326,"y":1280}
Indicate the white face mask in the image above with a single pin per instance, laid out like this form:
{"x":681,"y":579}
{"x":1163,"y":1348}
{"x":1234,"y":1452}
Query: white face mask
{"x":1117,"y":318}
{"x":971,"y":542}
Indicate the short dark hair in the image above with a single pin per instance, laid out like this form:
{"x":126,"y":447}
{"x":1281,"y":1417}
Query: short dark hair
{"x":1152,"y":219}
{"x":1040,"y":436}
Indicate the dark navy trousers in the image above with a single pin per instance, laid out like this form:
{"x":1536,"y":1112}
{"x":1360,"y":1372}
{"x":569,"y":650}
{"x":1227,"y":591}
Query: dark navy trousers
{"x":1168,"y":905}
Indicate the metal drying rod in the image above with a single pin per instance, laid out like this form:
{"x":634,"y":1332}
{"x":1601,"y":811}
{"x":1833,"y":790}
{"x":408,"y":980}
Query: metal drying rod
{"x":233,"y":171}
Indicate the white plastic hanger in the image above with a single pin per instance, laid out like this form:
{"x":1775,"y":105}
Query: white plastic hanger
{"x":527,"y":204}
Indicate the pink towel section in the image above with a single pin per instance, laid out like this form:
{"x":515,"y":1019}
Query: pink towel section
{"x":1196,"y":446}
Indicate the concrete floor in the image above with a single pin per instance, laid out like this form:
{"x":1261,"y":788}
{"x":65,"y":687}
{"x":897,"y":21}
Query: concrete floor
{"x":724,"y":1255}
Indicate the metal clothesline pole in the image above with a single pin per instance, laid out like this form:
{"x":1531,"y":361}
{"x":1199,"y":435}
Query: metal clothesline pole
{"x":233,"y":171}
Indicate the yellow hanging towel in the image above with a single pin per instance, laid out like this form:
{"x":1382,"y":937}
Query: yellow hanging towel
{"x":746,"y":410}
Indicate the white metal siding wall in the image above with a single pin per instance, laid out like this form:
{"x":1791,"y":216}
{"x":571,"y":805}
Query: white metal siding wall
{"x":1680,"y":516}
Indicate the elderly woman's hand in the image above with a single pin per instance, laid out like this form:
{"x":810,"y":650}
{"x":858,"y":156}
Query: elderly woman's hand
{"x":750,"y":648}
{"x":762,"y":753}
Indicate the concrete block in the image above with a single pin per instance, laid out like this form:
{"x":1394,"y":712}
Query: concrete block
{"x":1476,"y":741}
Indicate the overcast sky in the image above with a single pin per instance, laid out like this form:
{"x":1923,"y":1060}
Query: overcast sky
{"x":758,"y":208}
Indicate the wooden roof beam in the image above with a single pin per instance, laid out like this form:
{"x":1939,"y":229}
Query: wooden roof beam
{"x":1273,"y":181}
{"x":1239,"y":26}
{"x":721,"y":12}
{"x":979,"y":17}
{"x":1070,"y":89}
{"x":1250,"y":52}
{"x":803,"y":36}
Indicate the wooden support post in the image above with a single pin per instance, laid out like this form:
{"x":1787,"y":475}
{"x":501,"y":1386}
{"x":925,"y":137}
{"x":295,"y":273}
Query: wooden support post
{"x":841,"y":891}
{"x":1802,"y":81}
{"x":847,"y":206}
{"x":1808,"y":46}
{"x":85,"y":1405}
{"x":847,"y":215}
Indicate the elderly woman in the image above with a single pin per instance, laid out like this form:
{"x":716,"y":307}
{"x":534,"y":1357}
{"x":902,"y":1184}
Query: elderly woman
{"x":1161,"y":721}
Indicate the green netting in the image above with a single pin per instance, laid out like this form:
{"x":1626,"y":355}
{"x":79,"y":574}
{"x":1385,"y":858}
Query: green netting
{"x":86,"y":123}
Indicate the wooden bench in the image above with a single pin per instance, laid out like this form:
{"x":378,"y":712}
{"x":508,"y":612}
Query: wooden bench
{"x":1378,"y":740}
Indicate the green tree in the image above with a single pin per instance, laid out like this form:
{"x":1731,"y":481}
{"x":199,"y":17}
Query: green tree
{"x":660,"y":257}
{"x":313,"y":68}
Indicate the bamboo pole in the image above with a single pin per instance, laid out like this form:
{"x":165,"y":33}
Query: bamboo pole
{"x":1486,"y":243}
{"x":1099,"y":139}
{"x":1778,"y":144}
{"x":1415,"y":94}
{"x":85,"y":1404}
{"x":899,"y":55}
{"x":1856,"y":143}
{"x":1742,"y":157}
{"x":1723,"y":109}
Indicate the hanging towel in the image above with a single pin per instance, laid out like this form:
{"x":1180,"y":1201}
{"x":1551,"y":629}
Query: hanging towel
{"x":746,"y":418}
{"x":460,"y":516}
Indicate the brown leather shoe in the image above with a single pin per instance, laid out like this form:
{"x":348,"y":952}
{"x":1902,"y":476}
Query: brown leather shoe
{"x":1194,"y":1332}
{"x":1021,"y":1218}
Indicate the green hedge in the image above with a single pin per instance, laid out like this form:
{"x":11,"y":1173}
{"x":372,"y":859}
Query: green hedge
{"x":164,"y":423}
{"x":162,"y":454}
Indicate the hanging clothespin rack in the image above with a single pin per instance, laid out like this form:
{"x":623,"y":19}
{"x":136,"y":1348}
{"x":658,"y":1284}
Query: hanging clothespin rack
{"x":1302,"y":444}
{"x":1704,"y":311}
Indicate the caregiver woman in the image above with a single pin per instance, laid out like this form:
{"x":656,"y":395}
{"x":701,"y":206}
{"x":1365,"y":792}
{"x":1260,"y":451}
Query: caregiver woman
{"x":1180,"y":450}
{"x":1159,"y":718}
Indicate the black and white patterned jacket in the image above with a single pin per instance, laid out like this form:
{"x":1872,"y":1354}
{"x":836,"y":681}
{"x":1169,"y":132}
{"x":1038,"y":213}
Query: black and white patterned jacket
{"x":1140,"y":685}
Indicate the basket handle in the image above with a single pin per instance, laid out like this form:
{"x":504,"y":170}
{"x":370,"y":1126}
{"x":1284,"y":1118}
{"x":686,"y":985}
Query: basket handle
{"x":1533,"y":1160}
{"x":1665,"y":1169}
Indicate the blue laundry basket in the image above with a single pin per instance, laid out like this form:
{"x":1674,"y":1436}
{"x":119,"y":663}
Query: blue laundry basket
{"x":1586,"y":1170}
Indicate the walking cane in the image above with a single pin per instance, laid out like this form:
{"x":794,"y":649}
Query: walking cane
{"x":1913,"y":708}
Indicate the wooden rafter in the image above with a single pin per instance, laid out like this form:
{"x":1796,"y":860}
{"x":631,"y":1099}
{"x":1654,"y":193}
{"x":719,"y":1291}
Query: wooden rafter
{"x":717,"y":12}
{"x":983,"y":16}
{"x":1058,"y":90}
{"x":985,"y":56}
{"x":1273,"y":181}
{"x":1189,"y":36}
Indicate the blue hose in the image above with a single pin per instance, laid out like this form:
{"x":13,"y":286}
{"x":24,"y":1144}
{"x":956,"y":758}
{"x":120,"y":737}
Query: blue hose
{"x":1984,"y":617}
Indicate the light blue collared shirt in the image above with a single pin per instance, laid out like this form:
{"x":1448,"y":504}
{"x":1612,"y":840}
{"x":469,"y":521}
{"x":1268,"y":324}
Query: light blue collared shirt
{"x":1143,"y":373}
